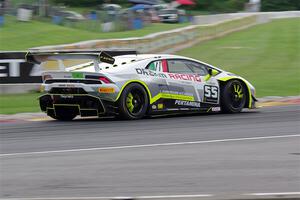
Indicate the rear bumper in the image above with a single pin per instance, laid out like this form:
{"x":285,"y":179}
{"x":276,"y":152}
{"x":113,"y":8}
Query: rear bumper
{"x":82,"y":104}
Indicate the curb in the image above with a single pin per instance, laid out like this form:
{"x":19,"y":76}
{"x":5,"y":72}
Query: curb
{"x":278,"y":101}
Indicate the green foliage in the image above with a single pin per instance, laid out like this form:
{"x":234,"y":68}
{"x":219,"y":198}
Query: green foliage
{"x":19,"y":103}
{"x":15,"y":35}
{"x":220,"y":5}
{"x":78,"y":3}
{"x":280,"y":5}
{"x":204,"y":5}
{"x":215,"y":6}
{"x":85,"y":3}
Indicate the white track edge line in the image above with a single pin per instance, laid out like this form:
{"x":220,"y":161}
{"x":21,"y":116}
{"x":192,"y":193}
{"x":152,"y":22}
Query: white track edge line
{"x":148,"y":197}
{"x":174,"y":196}
{"x":273,"y":194}
{"x":113,"y":198}
{"x":149,"y":145}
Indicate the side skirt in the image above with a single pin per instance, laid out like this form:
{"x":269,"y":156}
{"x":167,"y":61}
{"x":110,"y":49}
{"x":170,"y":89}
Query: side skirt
{"x":178,"y":106}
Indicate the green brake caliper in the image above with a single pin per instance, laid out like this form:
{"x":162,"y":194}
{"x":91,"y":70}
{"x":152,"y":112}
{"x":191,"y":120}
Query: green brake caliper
{"x":129,"y":103}
{"x":238,"y":90}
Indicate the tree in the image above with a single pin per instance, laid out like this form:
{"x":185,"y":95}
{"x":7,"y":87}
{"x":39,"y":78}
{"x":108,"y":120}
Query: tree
{"x":220,"y":5}
{"x":79,"y":3}
{"x":280,"y":5}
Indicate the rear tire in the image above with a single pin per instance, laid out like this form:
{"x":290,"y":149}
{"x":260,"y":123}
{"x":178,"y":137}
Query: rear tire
{"x":133,"y":102}
{"x":233,"y":97}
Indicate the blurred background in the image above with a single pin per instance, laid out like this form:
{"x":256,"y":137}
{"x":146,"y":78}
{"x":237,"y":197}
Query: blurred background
{"x":251,"y":155}
{"x":257,"y":39}
{"x":31,"y":23}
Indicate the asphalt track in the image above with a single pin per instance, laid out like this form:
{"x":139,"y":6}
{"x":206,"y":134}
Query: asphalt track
{"x":255,"y":153}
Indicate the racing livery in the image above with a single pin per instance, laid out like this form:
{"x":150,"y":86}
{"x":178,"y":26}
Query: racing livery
{"x":131,"y":85}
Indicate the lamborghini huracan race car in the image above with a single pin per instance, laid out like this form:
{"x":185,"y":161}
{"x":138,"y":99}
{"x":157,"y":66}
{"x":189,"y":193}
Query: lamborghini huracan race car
{"x":131,"y":85}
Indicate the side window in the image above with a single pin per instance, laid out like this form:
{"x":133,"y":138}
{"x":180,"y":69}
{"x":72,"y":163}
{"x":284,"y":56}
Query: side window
{"x":178,"y":66}
{"x":152,"y":66}
{"x":197,"y":68}
{"x":155,"y":66}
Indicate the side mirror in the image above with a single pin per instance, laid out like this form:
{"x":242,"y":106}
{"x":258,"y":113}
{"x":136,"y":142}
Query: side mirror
{"x":212,"y":72}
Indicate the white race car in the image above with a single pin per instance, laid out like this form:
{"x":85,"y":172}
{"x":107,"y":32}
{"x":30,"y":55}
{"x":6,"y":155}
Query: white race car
{"x":131,"y":85}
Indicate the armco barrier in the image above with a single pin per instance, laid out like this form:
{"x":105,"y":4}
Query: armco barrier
{"x":208,"y":27}
{"x":161,"y":41}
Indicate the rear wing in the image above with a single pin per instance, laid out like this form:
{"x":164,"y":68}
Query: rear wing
{"x":38,"y":57}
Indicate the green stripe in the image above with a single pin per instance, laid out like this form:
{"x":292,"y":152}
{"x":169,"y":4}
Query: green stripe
{"x":158,"y":96}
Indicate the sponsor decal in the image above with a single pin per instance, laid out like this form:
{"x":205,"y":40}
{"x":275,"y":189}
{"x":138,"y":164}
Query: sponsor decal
{"x":211,"y":94}
{"x":104,"y":57}
{"x":185,"y":77}
{"x":160,"y":106}
{"x":106,"y":90}
{"x":67,"y":96}
{"x":187,"y":103}
{"x":215,"y":109}
{"x":149,"y":73}
{"x":182,"y":77}
{"x":77,"y":75}
{"x":67,"y":85}
{"x":17,"y":70}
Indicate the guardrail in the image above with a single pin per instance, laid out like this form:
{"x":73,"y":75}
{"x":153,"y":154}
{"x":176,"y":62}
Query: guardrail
{"x":207,"y":27}
{"x":161,"y":41}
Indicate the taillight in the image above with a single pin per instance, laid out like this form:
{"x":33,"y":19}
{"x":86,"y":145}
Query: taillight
{"x":104,"y":79}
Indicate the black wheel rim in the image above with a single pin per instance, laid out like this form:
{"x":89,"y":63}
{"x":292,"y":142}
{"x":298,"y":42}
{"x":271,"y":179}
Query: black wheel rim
{"x":135,"y":102}
{"x":237,"y":95}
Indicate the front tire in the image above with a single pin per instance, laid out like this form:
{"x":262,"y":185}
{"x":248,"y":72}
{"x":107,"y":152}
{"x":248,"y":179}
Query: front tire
{"x":133,"y":102}
{"x":233,"y":97}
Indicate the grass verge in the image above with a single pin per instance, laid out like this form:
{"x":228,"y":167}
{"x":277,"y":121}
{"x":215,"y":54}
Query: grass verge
{"x":19,"y":103}
{"x":16,"y":35}
{"x":267,"y":55}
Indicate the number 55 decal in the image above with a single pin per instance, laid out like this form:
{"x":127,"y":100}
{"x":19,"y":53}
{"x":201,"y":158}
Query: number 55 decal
{"x":211,"y":94}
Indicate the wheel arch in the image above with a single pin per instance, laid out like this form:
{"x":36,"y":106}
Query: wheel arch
{"x":249,"y":100}
{"x":143,"y":84}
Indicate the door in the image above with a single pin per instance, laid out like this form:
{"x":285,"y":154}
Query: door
{"x":157,"y":82}
{"x":191,"y":78}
